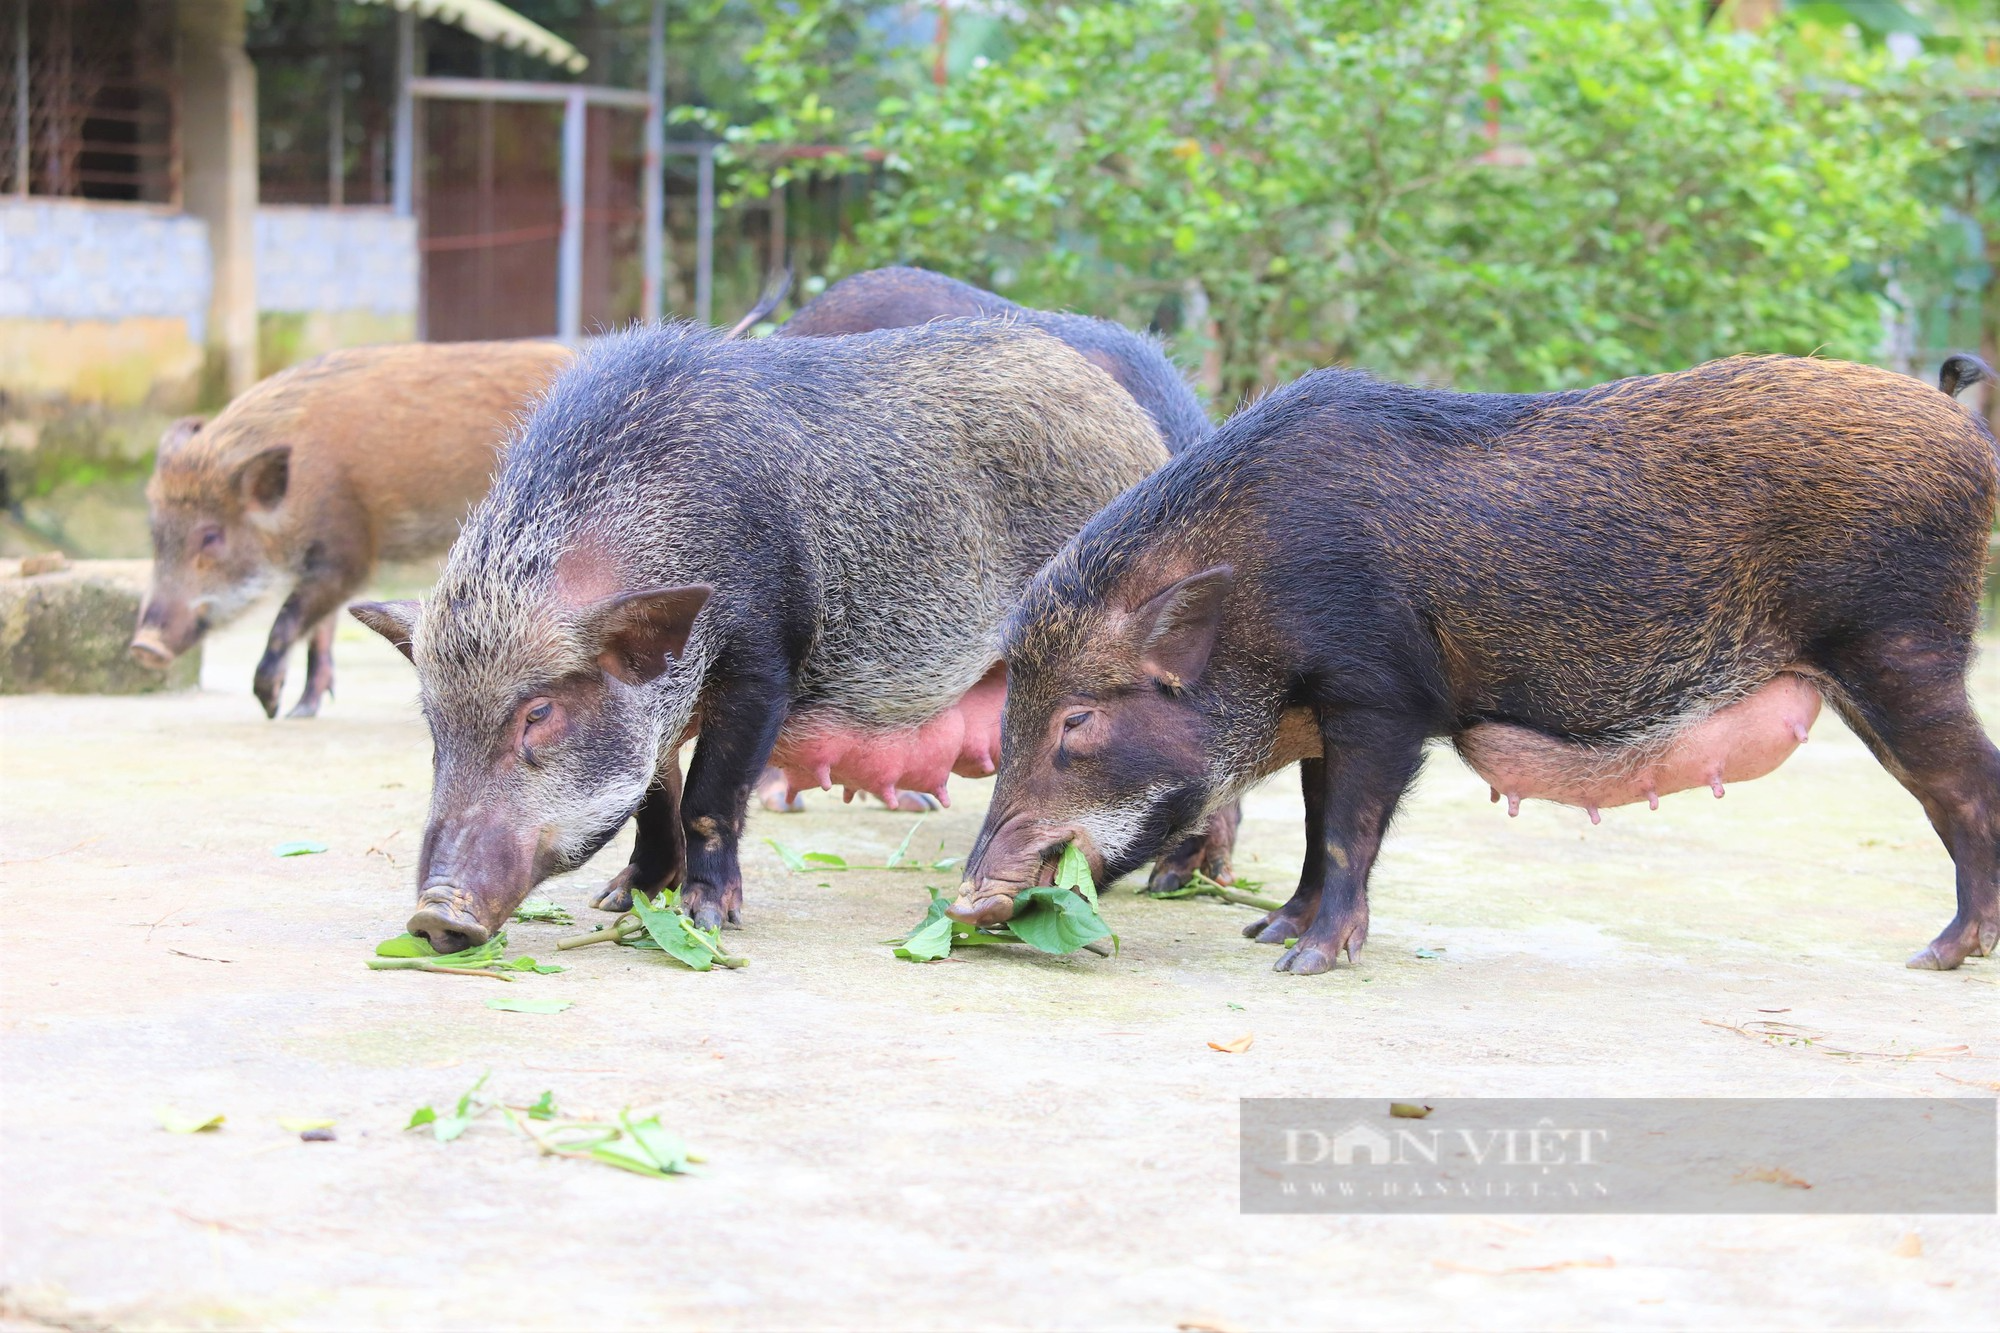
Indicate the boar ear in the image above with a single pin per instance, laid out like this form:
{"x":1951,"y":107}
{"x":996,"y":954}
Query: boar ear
{"x":1175,"y":629}
{"x":639,"y":633}
{"x":394,"y":621}
{"x":264,"y":480}
{"x":178,"y":434}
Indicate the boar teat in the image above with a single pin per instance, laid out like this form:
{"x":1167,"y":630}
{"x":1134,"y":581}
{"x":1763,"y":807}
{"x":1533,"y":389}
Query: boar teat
{"x":1105,"y":737}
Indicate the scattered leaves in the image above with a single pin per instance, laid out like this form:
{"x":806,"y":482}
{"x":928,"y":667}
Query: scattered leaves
{"x":1234,"y":1046}
{"x":543,"y":911}
{"x":641,"y":1146}
{"x":1059,"y":919}
{"x":413,"y":953}
{"x":528,"y":1004}
{"x":299,"y":848}
{"x":1200,"y":885}
{"x":180,"y":1122}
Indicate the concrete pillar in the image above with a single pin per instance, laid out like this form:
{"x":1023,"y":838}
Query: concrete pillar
{"x":219,"y":176}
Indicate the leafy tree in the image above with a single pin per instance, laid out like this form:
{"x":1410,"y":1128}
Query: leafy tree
{"x":1489,"y":192}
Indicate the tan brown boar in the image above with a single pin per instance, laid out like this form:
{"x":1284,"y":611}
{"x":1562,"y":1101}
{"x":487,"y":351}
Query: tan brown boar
{"x":314,"y":475}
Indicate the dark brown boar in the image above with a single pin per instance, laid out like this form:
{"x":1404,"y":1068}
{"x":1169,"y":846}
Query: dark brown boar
{"x":1600,"y":597}
{"x":315,"y":474}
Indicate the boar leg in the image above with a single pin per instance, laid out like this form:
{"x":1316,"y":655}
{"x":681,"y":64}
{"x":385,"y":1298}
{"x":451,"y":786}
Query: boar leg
{"x":740,"y":720}
{"x":1207,"y":852}
{"x":1370,"y":758}
{"x":319,"y":670}
{"x":1289,"y":922}
{"x":313,"y":600}
{"x":1906,"y":698}
{"x":659,"y":848}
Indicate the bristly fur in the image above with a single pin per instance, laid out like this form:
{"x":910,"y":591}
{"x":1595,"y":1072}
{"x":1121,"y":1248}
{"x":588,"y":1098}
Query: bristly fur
{"x":901,"y":297}
{"x":1597,"y":565}
{"x":867,"y":509}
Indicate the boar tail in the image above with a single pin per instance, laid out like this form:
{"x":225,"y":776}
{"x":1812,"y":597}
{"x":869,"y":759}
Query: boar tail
{"x":774,"y":292}
{"x":1960,"y":371}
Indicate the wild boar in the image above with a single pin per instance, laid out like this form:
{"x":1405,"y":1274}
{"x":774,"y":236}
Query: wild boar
{"x":315,"y":474}
{"x":904,"y":297}
{"x":1600,"y":597}
{"x":895,"y":298}
{"x":800,"y":548}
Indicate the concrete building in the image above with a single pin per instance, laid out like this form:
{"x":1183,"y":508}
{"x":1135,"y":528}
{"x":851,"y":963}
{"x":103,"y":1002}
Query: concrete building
{"x":138,"y":268}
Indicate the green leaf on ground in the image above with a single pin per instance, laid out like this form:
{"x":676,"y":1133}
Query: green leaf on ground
{"x":903,"y":848}
{"x":405,"y":946}
{"x":1073,"y":873}
{"x":793,"y":861}
{"x":670,"y":929}
{"x":544,"y":1107}
{"x":299,"y":848}
{"x":528,"y":1004}
{"x":422,"y":1116}
{"x":1057,"y":920}
{"x":830,"y":860}
{"x":300,"y":1124}
{"x":931,"y":940}
{"x":542,"y":910}
{"x":180,"y":1122}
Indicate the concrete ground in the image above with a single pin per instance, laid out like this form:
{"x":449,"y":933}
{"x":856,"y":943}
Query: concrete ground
{"x":1001,"y":1141}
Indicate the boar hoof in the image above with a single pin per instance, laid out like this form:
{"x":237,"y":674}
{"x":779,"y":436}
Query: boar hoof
{"x":615,"y":896}
{"x":917,"y":802}
{"x":1304,"y":960}
{"x":1272,"y":930}
{"x":1956,"y":944}
{"x":305,"y":707}
{"x":267,"y":686}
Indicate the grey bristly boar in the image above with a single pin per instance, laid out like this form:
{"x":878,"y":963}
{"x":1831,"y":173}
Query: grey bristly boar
{"x":1600,"y":597}
{"x":801,"y":548}
{"x":894,"y":298}
{"x":311,"y":477}
{"x":904,"y":297}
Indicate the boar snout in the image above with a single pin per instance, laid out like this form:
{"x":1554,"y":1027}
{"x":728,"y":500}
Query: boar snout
{"x":167,"y":628}
{"x":445,"y":918}
{"x":475,"y":872}
{"x":149,"y":650}
{"x":1018,"y":854}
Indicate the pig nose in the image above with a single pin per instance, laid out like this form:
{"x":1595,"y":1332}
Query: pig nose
{"x":445,"y":923}
{"x":148,"y":649}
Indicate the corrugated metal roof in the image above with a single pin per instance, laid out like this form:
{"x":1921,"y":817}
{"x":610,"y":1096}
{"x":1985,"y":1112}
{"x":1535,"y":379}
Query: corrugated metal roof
{"x":491,"y":21}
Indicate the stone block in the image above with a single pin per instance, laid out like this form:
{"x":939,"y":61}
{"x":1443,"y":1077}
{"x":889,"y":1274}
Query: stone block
{"x":65,"y":631}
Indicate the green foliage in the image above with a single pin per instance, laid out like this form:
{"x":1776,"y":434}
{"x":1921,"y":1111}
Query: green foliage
{"x":642,"y":1146}
{"x":544,"y":911}
{"x":1059,"y":918}
{"x":1494,"y":193}
{"x":670,"y":929}
{"x":413,"y":953}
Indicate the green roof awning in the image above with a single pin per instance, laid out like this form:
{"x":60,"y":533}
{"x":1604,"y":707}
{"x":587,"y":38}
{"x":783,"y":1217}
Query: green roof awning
{"x":491,"y":21}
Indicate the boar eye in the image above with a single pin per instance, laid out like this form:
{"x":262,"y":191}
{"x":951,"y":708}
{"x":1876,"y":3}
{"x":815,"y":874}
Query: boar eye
{"x":211,"y":538}
{"x":540,"y":712}
{"x":1075,"y":720}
